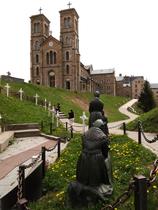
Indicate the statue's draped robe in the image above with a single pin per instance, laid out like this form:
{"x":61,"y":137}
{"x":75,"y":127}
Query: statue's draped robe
{"x":94,"y":166}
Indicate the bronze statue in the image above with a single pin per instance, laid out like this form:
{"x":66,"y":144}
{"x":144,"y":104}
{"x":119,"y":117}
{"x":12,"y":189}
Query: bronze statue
{"x":93,"y":174}
{"x":95,"y":109}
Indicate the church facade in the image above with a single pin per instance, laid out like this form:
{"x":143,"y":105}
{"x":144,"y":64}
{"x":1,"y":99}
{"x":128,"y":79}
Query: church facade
{"x":56,"y":63}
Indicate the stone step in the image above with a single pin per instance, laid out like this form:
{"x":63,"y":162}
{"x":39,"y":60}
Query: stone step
{"x":26,"y":133}
{"x":62,"y":115}
{"x":5,"y":138}
{"x":22,"y":126}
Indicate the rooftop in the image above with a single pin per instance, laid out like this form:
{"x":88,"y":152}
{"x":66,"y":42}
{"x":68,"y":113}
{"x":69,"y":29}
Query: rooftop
{"x":103,"y":71}
{"x":154,"y":85}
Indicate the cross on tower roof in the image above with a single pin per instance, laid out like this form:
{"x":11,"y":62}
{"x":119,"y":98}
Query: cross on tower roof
{"x":40,"y":9}
{"x":69,"y":4}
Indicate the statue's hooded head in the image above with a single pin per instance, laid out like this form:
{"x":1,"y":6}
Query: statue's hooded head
{"x":98,"y":123}
{"x":97,"y":93}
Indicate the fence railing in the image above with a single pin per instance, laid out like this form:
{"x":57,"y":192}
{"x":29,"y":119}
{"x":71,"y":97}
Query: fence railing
{"x":41,"y":157}
{"x":139,"y":185}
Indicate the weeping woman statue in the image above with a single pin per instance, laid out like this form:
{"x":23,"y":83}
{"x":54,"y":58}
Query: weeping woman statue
{"x":93,"y":173}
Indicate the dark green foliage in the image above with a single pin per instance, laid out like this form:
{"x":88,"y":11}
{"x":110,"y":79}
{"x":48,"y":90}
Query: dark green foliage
{"x":146,"y":99}
{"x":149,"y":121}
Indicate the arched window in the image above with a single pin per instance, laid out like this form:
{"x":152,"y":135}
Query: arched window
{"x":37,"y":58}
{"x":51,"y":57}
{"x":69,"y":21}
{"x":37,"y":71}
{"x":47,"y":58}
{"x":67,"y":69}
{"x":65,"y":22}
{"x":67,"y":55}
{"x":55,"y":57}
{"x":36,"y":27}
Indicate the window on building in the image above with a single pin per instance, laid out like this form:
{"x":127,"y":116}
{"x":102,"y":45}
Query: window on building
{"x":67,"y":22}
{"x":37,"y":58}
{"x":51,"y":57}
{"x":37,"y":71}
{"x":36,"y":27}
{"x":67,"y":69}
{"x":67,"y":55}
{"x":47,"y":58}
{"x":46,"y":29}
{"x":55,"y":57}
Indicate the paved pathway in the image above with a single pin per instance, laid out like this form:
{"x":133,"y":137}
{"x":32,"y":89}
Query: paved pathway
{"x":23,"y":149}
{"x":114,"y":128}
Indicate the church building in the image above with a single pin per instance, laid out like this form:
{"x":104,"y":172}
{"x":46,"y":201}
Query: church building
{"x":56,"y":63}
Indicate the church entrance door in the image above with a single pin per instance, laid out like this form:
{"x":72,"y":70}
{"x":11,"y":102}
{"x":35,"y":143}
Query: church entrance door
{"x":52,"y":79}
{"x":68,"y":85}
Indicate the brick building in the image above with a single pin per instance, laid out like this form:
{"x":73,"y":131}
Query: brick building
{"x":106,"y":80}
{"x":56,"y":63}
{"x":154,"y":88}
{"x":129,"y":86}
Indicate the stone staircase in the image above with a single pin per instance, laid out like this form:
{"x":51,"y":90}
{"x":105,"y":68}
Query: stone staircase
{"x":62,"y":115}
{"x":24,"y":130}
{"x":16,"y":131}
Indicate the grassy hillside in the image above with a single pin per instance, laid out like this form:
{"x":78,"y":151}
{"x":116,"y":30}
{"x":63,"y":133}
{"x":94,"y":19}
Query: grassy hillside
{"x":149,"y":121}
{"x":14,"y":110}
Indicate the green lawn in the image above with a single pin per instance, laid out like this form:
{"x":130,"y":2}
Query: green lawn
{"x":149,"y":121}
{"x":17,"y":111}
{"x":128,"y":159}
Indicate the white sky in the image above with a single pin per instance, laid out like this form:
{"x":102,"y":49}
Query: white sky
{"x":120,"y":34}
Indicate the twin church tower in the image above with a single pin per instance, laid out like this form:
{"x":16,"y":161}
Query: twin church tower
{"x":56,"y":63}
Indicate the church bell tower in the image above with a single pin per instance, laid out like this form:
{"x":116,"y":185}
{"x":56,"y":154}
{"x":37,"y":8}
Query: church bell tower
{"x":70,"y":48}
{"x":39,"y":33}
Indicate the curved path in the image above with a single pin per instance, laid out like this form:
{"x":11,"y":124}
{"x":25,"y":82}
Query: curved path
{"x":114,"y":128}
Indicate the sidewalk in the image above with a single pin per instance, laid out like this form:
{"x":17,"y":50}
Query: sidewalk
{"x":22,"y":151}
{"x":114,"y":128}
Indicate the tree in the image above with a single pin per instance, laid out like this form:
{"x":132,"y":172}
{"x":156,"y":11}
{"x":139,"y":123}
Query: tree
{"x":146,"y":99}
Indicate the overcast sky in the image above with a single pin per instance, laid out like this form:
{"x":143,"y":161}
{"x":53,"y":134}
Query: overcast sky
{"x":120,"y":34}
